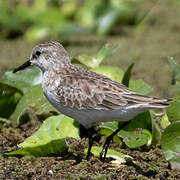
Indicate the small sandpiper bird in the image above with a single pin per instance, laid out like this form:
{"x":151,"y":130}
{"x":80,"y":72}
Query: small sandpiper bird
{"x":86,"y":96}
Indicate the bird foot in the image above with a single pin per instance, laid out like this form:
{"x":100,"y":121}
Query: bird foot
{"x":105,"y":149}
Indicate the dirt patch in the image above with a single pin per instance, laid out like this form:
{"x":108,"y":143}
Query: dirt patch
{"x":148,"y":163}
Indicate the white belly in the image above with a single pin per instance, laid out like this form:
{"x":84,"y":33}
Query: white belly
{"x":88,"y":117}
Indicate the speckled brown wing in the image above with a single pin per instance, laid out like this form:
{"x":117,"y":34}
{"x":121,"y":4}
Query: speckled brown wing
{"x":84,"y":89}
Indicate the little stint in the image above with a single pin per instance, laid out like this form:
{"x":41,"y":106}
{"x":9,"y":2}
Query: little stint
{"x":86,"y":96}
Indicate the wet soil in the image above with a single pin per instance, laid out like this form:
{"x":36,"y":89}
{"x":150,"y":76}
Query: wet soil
{"x":147,"y":164}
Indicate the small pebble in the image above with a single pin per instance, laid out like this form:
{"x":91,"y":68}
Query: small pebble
{"x":50,"y":172}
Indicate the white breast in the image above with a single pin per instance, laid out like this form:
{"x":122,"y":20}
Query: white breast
{"x":88,"y":117}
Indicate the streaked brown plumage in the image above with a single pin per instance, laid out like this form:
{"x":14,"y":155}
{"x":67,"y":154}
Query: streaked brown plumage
{"x":83,"y":89}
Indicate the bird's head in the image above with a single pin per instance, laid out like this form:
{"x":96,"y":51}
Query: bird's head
{"x":46,"y":56}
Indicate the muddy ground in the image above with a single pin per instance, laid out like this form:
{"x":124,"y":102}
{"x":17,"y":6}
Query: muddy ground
{"x":147,"y":164}
{"x":148,"y":45}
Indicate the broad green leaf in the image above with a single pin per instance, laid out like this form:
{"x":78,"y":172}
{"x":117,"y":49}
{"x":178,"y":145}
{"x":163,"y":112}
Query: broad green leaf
{"x":140,"y":125}
{"x":33,"y":99}
{"x":50,"y":138}
{"x":142,"y":121}
{"x":95,"y":60}
{"x":108,"y":132}
{"x":112,"y":72}
{"x":134,"y":139}
{"x":22,"y":80}
{"x":170,"y":142}
{"x":175,"y":71}
{"x":112,"y":125}
{"x":119,"y":157}
{"x":138,"y":130}
{"x":140,"y":87}
{"x":127,"y":75}
{"x":173,"y":112}
{"x":9,"y":98}
{"x":8,"y":103}
{"x":8,"y":88}
{"x":108,"y":128}
{"x":20,"y":152}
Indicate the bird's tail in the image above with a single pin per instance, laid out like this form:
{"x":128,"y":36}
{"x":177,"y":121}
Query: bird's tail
{"x":151,"y":102}
{"x":159,"y":103}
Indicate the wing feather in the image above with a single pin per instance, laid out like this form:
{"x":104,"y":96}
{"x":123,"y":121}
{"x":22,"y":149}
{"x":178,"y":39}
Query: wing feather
{"x":83,"y":89}
{"x":90,"y":92}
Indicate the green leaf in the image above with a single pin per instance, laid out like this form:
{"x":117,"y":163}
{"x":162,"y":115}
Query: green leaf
{"x":7,"y":88}
{"x":137,"y":133}
{"x":22,"y":80}
{"x":37,"y":33}
{"x":171,"y":142}
{"x":108,"y":128}
{"x":113,"y":125}
{"x":108,"y":132}
{"x":140,"y":87}
{"x":127,"y":75}
{"x":107,"y":19}
{"x":20,"y":152}
{"x":173,"y":112}
{"x":33,"y":99}
{"x":95,"y":60}
{"x":119,"y":157}
{"x":86,"y":14}
{"x":142,"y":121}
{"x":75,"y":61}
{"x":156,"y":133}
{"x":175,"y":71}
{"x":9,"y":98}
{"x":4,"y":120}
{"x":165,"y":121}
{"x":112,"y":72}
{"x":134,"y":139}
{"x":50,"y":138}
{"x":150,"y":137}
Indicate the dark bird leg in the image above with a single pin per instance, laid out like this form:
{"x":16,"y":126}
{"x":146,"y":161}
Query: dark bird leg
{"x":90,"y":144}
{"x":108,"y":141}
{"x":91,"y":135}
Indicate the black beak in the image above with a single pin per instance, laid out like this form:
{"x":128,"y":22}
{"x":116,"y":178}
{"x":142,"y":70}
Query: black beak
{"x":23,"y":66}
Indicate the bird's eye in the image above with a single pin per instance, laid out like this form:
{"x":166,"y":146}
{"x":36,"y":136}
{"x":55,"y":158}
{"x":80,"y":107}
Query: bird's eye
{"x":38,"y":53}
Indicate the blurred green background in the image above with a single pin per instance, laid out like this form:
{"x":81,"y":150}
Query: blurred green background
{"x":146,"y":32}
